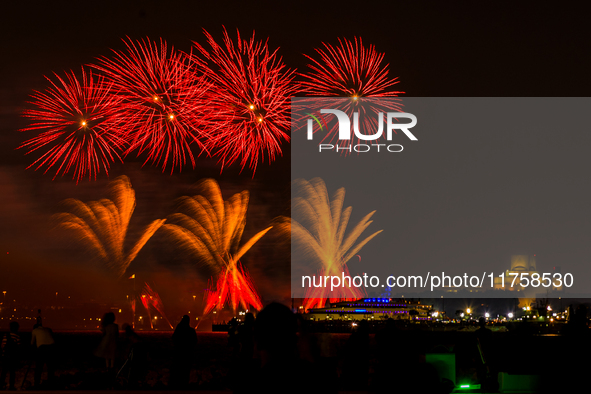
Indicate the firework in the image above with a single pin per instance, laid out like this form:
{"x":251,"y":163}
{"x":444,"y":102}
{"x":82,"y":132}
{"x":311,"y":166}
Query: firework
{"x":351,"y":70}
{"x":77,"y":124}
{"x":234,"y":286}
{"x":103,"y":226}
{"x":211,"y":229}
{"x":163,"y":100}
{"x":250,"y":99}
{"x":321,"y":232}
{"x":150,"y":298}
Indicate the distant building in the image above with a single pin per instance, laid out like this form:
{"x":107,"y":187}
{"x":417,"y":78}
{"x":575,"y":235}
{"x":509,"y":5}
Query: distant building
{"x":522,"y":266}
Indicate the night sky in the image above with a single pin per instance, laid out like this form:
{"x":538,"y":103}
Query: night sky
{"x":436,"y":50}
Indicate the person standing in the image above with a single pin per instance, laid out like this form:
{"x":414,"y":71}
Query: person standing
{"x":137,"y":357}
{"x":10,"y":356}
{"x":42,"y":340}
{"x":184,"y":340}
{"x":108,"y":346}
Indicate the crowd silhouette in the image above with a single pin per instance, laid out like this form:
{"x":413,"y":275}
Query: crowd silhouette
{"x":281,"y":352}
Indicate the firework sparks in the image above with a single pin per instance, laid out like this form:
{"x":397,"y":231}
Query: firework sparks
{"x":234,"y":286}
{"x":163,"y":101}
{"x":150,"y":298}
{"x":77,"y":123}
{"x":351,"y":70}
{"x":321,"y":230}
{"x":250,"y":99}
{"x":211,"y":228}
{"x":103,"y":225}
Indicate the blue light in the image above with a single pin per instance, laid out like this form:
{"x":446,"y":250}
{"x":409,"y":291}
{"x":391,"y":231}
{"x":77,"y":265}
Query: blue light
{"x":360,"y":310}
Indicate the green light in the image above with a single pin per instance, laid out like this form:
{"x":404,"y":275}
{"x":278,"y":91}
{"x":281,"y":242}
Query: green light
{"x":469,"y":387}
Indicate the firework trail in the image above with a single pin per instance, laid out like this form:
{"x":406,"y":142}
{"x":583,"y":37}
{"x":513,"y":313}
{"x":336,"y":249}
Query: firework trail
{"x":77,"y":122}
{"x":321,"y":231}
{"x":146,"y":304}
{"x":149,"y":297}
{"x":103,"y":225}
{"x":250,"y":99}
{"x":351,"y":70}
{"x":163,"y":101}
{"x":211,"y":229}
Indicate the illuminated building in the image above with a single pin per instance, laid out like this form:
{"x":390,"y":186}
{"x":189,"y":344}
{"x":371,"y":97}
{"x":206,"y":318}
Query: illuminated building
{"x":520,"y":264}
{"x":372,"y":308}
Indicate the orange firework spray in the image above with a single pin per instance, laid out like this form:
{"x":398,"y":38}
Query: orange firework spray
{"x":103,"y":225}
{"x":323,"y":239}
{"x":211,"y":229}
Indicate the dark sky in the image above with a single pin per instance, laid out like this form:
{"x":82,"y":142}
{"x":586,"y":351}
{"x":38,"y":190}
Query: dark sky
{"x":436,"y":49}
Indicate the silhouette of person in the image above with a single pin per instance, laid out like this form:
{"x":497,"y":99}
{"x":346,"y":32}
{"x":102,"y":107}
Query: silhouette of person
{"x":10,"y":355}
{"x":108,"y":347}
{"x":487,"y":354}
{"x":356,"y":360}
{"x":184,"y":340}
{"x":483,"y":334}
{"x":42,"y":339}
{"x":241,"y":341}
{"x":388,"y":355}
{"x":233,"y":339}
{"x":136,"y":362}
{"x":246,"y":338}
{"x":282,"y":371}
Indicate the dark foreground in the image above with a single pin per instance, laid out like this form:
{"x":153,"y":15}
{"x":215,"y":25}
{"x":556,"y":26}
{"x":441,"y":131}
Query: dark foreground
{"x":389,"y":360}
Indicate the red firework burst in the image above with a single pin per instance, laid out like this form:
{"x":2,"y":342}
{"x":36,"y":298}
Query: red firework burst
{"x":250,"y":99}
{"x":162,"y":101}
{"x":77,"y":124}
{"x":351,"y":70}
{"x":233,"y":287}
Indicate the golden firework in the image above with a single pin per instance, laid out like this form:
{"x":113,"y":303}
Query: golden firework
{"x":211,"y":229}
{"x":103,"y":225}
{"x":320,"y":229}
